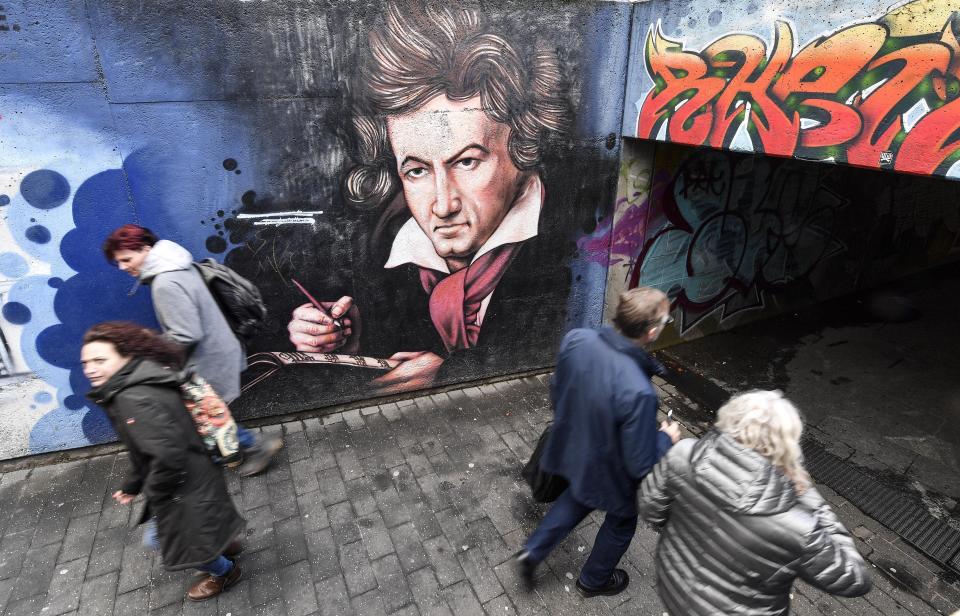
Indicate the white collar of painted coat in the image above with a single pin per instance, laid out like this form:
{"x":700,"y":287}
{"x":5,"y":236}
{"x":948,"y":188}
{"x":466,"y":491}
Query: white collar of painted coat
{"x":521,"y":223}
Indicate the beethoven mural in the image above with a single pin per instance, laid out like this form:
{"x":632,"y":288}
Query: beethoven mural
{"x":451,"y":119}
{"x":406,"y":183}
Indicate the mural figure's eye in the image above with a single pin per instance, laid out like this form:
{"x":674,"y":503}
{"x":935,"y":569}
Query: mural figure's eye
{"x":416,"y":172}
{"x":468,"y":163}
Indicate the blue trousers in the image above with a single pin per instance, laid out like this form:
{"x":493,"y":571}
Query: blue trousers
{"x":219,"y":567}
{"x":245,"y":438}
{"x":612,"y":540}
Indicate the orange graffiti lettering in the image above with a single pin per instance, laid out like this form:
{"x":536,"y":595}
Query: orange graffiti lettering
{"x":858,"y":95}
{"x":687,"y":90}
{"x":777,"y":131}
{"x":916,"y":62}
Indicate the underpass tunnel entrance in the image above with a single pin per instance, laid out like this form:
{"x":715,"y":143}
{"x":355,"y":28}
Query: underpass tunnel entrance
{"x":838,"y":285}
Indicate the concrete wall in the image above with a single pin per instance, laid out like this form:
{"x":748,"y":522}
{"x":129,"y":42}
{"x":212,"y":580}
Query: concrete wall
{"x":229,"y":127}
{"x":868,"y":83}
{"x":734,"y":237}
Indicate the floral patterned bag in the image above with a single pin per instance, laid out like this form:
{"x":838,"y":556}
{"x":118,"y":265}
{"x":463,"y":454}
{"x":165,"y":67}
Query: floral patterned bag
{"x":212,"y":417}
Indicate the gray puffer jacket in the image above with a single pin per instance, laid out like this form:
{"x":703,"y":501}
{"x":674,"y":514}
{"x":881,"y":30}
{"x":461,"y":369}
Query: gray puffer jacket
{"x":189,"y":316}
{"x":736,"y":534}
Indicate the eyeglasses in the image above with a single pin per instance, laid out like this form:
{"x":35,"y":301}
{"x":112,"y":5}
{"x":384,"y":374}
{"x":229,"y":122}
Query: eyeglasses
{"x":663,"y":322}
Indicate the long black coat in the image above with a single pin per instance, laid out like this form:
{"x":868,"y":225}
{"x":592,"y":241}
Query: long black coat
{"x":184,"y":490}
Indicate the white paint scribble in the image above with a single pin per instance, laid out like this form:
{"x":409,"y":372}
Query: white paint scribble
{"x":271,"y":214}
{"x":277,"y":222}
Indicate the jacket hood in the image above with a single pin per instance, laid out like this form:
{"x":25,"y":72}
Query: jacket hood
{"x":165,"y":256}
{"x":136,"y":372}
{"x":738,"y":479}
{"x":621,"y":343}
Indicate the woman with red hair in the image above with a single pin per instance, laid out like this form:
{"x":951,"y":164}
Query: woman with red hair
{"x":193,"y":521}
{"x":125,"y":247}
{"x":190,"y":316}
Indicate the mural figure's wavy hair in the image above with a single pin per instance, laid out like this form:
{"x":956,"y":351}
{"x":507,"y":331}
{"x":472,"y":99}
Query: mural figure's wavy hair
{"x":417,"y":52}
{"x":136,"y":341}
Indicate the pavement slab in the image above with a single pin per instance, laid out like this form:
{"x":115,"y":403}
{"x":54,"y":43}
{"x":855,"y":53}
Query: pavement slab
{"x":406,"y":508}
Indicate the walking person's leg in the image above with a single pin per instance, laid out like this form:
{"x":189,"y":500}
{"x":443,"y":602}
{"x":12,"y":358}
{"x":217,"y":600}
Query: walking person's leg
{"x":562,"y":518}
{"x":257,"y":454}
{"x":599,"y":575}
{"x":223,"y":573}
{"x":245,"y":438}
{"x":150,"y":539}
{"x":219,"y":567}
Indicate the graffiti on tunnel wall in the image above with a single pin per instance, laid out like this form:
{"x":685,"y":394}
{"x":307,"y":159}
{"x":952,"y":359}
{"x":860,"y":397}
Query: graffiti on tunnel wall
{"x":434,"y":163}
{"x":729,"y":229}
{"x":731,"y":237}
{"x":880,"y":93}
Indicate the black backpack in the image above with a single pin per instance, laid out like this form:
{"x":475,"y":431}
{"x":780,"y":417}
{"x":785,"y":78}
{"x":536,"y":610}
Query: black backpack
{"x":238,"y":298}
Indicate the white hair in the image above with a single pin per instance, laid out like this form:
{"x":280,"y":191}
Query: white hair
{"x":769,"y":424}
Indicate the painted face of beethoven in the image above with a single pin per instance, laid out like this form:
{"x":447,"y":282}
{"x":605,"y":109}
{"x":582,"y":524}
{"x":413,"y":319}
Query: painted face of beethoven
{"x":458,"y":178}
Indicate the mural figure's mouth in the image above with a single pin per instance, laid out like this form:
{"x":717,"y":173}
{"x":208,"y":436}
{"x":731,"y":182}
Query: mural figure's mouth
{"x":450,"y":230}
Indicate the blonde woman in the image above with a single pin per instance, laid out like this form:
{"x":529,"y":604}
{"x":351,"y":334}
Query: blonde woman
{"x":741,"y":520}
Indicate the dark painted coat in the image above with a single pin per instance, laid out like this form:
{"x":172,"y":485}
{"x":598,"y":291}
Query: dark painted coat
{"x":520,"y":330}
{"x":736,"y":534}
{"x":605,"y":437}
{"x":184,"y":490}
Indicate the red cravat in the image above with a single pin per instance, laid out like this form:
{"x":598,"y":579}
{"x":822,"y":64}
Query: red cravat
{"x":455,"y":299}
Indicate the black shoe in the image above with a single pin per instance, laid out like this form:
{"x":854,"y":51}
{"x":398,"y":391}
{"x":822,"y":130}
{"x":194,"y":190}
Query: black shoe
{"x":258,"y":459}
{"x":617,"y":583}
{"x":525,"y":569}
{"x":233,"y":460}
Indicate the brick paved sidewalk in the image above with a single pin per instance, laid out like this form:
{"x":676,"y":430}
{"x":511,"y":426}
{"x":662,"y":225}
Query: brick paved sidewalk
{"x":407,"y":508}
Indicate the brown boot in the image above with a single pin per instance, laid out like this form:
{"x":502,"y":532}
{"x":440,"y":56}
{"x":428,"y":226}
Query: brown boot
{"x":211,"y":585}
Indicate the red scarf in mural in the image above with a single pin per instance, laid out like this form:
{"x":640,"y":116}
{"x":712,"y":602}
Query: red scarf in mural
{"x":455,"y":299}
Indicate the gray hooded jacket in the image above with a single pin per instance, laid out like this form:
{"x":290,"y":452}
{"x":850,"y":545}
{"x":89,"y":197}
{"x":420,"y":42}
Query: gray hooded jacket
{"x":189,"y":315}
{"x":736,"y":534}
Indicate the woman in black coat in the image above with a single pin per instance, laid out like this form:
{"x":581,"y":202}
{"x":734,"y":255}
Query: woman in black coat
{"x":131,"y":370}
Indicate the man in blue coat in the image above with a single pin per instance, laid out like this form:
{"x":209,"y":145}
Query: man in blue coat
{"x":604,"y":438}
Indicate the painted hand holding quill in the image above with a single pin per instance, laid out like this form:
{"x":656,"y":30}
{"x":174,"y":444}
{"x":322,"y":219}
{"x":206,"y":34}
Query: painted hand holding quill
{"x":324,"y":327}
